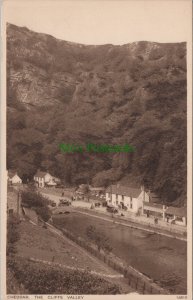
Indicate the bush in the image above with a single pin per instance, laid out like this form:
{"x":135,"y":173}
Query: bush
{"x":39,"y":203}
{"x":32,"y":198}
{"x":39,"y":278}
{"x":13,"y":287}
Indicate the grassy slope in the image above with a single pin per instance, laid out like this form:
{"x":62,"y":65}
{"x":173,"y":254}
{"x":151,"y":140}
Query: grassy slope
{"x":45,"y":245}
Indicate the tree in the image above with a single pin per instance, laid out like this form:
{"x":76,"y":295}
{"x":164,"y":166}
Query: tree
{"x":106,"y":177}
{"x":44,"y":213}
{"x":99,"y":238}
{"x":33,"y":199}
{"x":39,"y":203}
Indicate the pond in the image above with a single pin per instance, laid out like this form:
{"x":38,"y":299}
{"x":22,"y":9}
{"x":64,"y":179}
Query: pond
{"x":161,"y":258}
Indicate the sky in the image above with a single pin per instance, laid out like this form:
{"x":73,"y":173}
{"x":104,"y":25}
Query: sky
{"x":104,"y":22}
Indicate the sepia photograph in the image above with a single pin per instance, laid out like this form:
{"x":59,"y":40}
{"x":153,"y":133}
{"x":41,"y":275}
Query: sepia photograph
{"x":96,"y":172}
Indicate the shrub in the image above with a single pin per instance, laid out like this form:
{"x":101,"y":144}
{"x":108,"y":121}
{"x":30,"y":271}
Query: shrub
{"x":39,"y":278}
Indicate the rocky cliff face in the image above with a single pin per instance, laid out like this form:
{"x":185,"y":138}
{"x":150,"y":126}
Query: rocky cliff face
{"x":135,"y":93}
{"x":44,"y":70}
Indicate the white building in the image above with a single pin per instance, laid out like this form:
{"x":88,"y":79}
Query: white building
{"x":43,"y":179}
{"x":127,"y":198}
{"x":13,"y":178}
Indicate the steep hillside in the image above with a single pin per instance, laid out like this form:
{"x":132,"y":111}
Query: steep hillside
{"x":59,"y":91}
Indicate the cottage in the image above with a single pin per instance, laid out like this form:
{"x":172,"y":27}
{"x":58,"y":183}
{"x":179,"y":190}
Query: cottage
{"x":176,"y":215}
{"x":154,"y":209}
{"x":173,"y":215}
{"x":43,"y":179}
{"x":13,"y":178}
{"x":130,"y":199}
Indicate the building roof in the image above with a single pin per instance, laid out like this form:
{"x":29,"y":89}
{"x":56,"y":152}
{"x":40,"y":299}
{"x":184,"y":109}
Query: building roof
{"x":51,"y":183}
{"x":83,"y":185}
{"x":96,"y":188}
{"x":154,"y":197}
{"x":177,"y":211}
{"x":155,"y":205}
{"x":12,"y":173}
{"x":40,"y":174}
{"x":56,"y":179}
{"x":124,"y":190}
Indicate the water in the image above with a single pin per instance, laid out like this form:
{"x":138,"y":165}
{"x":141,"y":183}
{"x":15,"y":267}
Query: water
{"x":161,"y":258}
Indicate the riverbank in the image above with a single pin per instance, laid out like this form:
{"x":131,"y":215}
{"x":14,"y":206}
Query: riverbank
{"x":130,"y":220}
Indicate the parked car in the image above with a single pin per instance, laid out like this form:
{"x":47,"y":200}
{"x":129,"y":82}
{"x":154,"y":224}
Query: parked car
{"x":63,"y":212}
{"x":60,"y":186}
{"x":112,"y":209}
{"x":64,"y":202}
{"x":53,"y":204}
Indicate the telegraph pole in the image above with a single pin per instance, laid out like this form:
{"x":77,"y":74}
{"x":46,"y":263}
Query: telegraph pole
{"x":111,"y":194}
{"x":18,"y":202}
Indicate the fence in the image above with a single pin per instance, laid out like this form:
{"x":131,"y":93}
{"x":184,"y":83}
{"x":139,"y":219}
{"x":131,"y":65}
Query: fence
{"x":136,"y":280}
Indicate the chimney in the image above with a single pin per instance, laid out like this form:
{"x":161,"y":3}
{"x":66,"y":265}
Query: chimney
{"x":143,"y":190}
{"x":149,"y":195}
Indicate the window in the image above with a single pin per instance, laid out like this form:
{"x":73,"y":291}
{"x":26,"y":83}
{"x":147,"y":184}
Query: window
{"x":116,"y":197}
{"x":122,"y":198}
